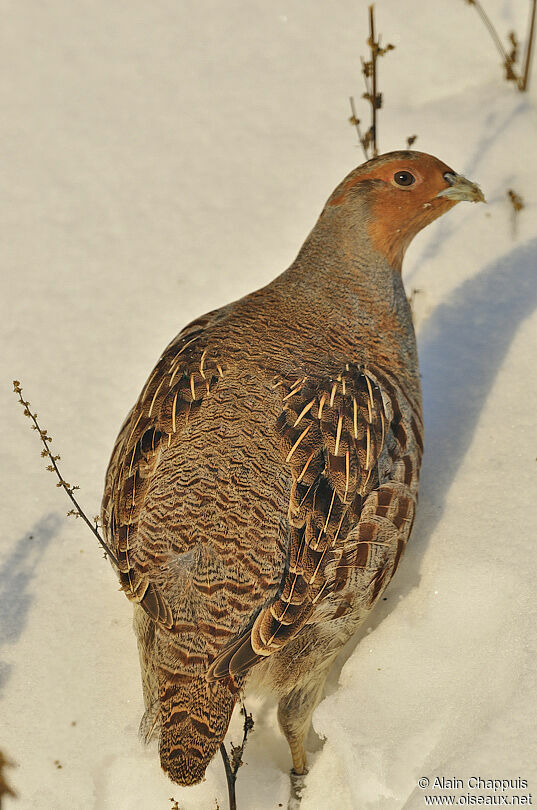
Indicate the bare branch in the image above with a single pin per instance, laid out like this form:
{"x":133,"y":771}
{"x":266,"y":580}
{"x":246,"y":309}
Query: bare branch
{"x":374,"y":46}
{"x":53,"y":467}
{"x":232,"y":766}
{"x":369,"y":139}
{"x":509,"y":60}
{"x":523,"y":83}
{"x":356,"y":123}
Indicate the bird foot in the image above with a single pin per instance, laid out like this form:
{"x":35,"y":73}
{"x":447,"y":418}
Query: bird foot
{"x":298,"y":780}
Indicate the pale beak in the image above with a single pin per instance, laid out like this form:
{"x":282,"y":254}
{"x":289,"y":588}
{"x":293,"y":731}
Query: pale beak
{"x":461,"y":189}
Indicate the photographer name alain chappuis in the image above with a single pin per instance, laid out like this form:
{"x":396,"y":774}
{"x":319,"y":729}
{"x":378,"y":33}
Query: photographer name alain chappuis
{"x":478,"y":783}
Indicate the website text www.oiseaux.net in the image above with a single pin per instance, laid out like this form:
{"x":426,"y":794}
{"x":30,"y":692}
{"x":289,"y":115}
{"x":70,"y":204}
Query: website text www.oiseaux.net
{"x":500,"y":794}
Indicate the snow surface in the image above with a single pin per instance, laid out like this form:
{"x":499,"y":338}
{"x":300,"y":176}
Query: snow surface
{"x":158,"y":160}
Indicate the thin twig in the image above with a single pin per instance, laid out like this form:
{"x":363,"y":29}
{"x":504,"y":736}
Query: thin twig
{"x":355,"y":121}
{"x":509,"y":59}
{"x":523,"y":83}
{"x":374,"y":45}
{"x":232,"y":766}
{"x":53,"y":467}
{"x":230,"y":779}
{"x":494,"y":34}
{"x":369,"y":139}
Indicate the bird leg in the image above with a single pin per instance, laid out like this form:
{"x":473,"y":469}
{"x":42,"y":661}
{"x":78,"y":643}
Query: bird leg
{"x":298,"y":752}
{"x":294,"y":716}
{"x":298,"y":780}
{"x":294,"y":722}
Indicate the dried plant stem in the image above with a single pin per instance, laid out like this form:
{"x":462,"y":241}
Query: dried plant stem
{"x":231,"y":779}
{"x":231,"y":766}
{"x":369,"y":139}
{"x":374,"y":45}
{"x":510,"y":59}
{"x":523,"y":84}
{"x":355,"y":121}
{"x":53,"y":467}
{"x":492,"y":31}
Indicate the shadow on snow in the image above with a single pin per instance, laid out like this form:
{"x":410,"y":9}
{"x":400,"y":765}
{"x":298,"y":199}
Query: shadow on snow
{"x":462,"y":346}
{"x":16,"y":575}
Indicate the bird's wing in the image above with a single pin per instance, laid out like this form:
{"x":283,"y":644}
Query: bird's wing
{"x":196,"y":498}
{"x":353,"y":445}
{"x":170,"y":400}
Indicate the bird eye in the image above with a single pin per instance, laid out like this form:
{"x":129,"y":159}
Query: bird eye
{"x":404,"y":178}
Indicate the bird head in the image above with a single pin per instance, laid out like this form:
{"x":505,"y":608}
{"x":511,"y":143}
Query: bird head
{"x":398,"y":194}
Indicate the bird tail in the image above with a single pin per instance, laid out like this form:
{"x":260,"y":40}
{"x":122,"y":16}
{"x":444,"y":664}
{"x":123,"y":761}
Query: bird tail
{"x":194,"y":715}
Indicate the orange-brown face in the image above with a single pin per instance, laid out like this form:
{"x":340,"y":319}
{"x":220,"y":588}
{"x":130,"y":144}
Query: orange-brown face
{"x":405,"y":197}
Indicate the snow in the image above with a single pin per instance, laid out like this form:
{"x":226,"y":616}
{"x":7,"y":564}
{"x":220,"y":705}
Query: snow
{"x":160,"y":160}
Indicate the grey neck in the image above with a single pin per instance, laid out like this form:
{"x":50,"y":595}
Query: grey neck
{"x":338,"y":280}
{"x":337,"y":265}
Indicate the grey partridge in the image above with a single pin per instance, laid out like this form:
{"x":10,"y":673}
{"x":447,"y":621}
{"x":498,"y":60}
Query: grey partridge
{"x":263,"y":488}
